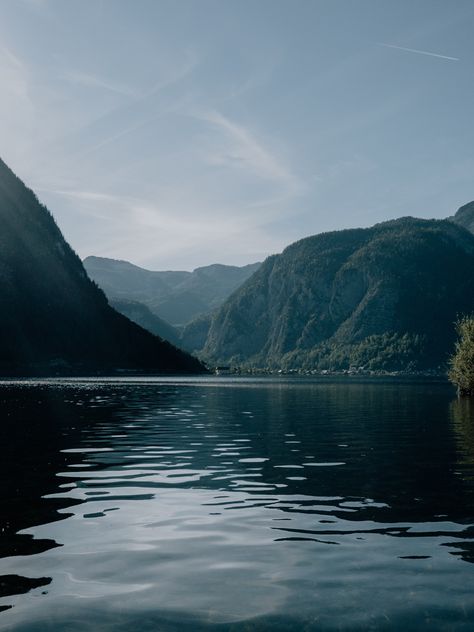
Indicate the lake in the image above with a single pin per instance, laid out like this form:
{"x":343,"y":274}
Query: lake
{"x":235,"y":504}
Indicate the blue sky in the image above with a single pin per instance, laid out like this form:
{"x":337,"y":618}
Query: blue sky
{"x":185,"y":132}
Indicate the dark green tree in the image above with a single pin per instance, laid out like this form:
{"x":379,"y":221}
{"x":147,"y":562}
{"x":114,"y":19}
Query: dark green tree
{"x":461,"y":365}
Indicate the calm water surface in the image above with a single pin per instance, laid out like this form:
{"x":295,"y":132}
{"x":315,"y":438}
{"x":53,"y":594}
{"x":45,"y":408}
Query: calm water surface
{"x":233,"y":504}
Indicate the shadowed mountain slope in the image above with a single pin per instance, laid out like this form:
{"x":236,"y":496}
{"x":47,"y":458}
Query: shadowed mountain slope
{"x":143,"y":316}
{"x":53,"y":318}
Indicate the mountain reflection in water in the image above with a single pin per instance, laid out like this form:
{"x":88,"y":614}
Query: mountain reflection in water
{"x":235,"y":504}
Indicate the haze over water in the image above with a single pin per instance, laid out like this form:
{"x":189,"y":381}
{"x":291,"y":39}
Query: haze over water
{"x":235,"y":504}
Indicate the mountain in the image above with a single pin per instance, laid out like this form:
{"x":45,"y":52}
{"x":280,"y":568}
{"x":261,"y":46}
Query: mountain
{"x":177,"y":297}
{"x":465,"y":217}
{"x":383,"y":297}
{"x":194,"y":335}
{"x":143,"y":316}
{"x":53,"y":318}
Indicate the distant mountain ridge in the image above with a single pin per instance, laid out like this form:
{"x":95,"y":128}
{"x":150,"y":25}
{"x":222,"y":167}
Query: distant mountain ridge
{"x":53,"y":318}
{"x":178,"y":297}
{"x":383,"y":297}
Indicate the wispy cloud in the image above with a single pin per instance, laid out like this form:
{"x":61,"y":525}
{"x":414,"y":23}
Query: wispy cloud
{"x":92,"y":196}
{"x":120,"y":134}
{"x":17,"y":108}
{"x":95,"y":204}
{"x":204,"y":236}
{"x":139,"y":106}
{"x":419,"y":52}
{"x":176,"y":74}
{"x":12,"y":58}
{"x":244,"y":150}
{"x":151,"y":230}
{"x":94,"y":81}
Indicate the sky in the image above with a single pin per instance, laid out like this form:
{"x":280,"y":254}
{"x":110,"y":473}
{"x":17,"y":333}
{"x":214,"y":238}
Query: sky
{"x":179,"y":133}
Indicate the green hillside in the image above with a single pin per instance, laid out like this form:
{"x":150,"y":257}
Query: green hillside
{"x":384,"y":297}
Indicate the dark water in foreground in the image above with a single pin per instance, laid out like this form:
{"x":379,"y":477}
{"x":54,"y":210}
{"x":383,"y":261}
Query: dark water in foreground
{"x":235,"y":505}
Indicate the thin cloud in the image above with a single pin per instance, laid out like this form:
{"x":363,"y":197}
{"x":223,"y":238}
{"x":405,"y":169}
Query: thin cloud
{"x":120,"y":134}
{"x":135,"y":105}
{"x":147,"y":231}
{"x":191,"y":61}
{"x":94,"y":81}
{"x":93,"y":196}
{"x":419,"y":52}
{"x":246,"y":151}
{"x":159,"y":233}
{"x":94,"y":204}
{"x":12,"y":58}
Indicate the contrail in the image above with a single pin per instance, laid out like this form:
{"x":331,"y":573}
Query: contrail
{"x":420,"y":52}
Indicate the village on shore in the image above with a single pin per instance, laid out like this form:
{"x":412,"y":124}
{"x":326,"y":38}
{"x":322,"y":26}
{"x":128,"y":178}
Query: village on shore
{"x":351,"y":371}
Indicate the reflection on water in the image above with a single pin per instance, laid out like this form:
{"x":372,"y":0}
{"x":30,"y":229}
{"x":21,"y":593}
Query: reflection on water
{"x":235,"y":504}
{"x":462,"y":414}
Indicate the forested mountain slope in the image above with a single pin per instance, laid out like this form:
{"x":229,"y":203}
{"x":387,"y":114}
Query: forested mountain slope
{"x":381,"y":297}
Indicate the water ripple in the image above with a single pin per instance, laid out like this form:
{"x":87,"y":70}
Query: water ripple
{"x":173,"y":504}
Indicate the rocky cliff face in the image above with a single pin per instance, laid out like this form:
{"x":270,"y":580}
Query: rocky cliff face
{"x":53,"y":318}
{"x":465,"y":217}
{"x":385,"y":297}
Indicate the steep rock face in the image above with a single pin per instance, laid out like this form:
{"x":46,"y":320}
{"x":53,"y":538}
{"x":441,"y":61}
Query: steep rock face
{"x":465,"y":217}
{"x":175,"y":296}
{"x":194,"y":334}
{"x":385,"y":297}
{"x":52,"y":316}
